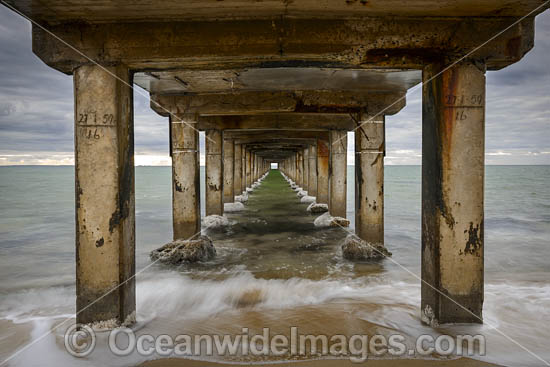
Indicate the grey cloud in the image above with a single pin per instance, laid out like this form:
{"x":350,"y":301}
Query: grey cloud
{"x":36,"y":107}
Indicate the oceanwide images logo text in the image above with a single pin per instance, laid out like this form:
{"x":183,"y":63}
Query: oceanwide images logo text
{"x":81,"y":340}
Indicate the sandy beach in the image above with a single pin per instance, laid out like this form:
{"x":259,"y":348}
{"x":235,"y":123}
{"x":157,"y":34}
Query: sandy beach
{"x":462,"y":362}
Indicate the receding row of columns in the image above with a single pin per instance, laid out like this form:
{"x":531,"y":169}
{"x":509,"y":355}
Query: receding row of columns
{"x":321,"y":170}
{"x":227,"y":173}
{"x":452,"y":187}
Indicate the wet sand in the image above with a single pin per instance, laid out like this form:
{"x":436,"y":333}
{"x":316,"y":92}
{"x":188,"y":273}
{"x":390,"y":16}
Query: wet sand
{"x":13,"y":337}
{"x":461,"y":362}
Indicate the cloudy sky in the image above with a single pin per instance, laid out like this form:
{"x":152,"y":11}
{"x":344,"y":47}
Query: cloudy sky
{"x":36,"y":109}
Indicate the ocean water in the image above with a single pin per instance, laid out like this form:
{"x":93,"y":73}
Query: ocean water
{"x":274,"y":268}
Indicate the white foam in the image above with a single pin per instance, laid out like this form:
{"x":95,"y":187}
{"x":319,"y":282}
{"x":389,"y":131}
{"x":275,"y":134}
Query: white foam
{"x":174,"y":296}
{"x":233,"y":207}
{"x":183,"y":297}
{"x":215,"y":221}
{"x":323,"y":220}
{"x":242,"y":198}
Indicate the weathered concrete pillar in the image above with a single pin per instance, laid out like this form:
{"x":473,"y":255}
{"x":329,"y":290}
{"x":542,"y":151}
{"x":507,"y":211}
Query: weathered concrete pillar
{"x":253,"y":167}
{"x":214,"y":172}
{"x":243,"y":168}
{"x":291,"y":167}
{"x":228,"y":159}
{"x":300,"y":169}
{"x":369,"y":180}
{"x":338,"y":172}
{"x":248,"y":168}
{"x":262,"y":166}
{"x":312,"y":181}
{"x":305,"y":163}
{"x":256,"y":167}
{"x":105,"y":214}
{"x":237,"y":170}
{"x":288,"y":167}
{"x":186,"y":215}
{"x":453,"y":145}
{"x":322,"y":171}
{"x":294,"y":167}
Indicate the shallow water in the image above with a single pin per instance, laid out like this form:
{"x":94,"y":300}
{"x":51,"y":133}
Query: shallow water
{"x":274,"y":268}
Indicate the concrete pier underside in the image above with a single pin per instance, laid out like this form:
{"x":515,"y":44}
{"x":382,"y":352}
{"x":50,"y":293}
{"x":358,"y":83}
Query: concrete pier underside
{"x":281,"y":82}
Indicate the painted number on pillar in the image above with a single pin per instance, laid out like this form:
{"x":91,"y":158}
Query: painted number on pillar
{"x":91,"y":123}
{"x":474,"y":100}
{"x":460,"y":102}
{"x":91,"y":134}
{"x":93,"y":118}
{"x":461,"y":115}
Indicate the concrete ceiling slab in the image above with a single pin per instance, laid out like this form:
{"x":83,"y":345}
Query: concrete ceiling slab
{"x":93,"y":11}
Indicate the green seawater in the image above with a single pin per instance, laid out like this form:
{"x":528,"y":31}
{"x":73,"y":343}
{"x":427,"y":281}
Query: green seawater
{"x":272,"y":247}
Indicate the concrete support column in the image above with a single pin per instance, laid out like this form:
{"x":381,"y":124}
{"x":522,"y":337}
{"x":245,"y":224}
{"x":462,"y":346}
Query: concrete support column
{"x":293,"y":167}
{"x":256,"y":167}
{"x":228,"y":159}
{"x":214,"y":172}
{"x":105,"y":204}
{"x":262,"y":161}
{"x":248,"y":168}
{"x":186,"y":217}
{"x":237,"y":170}
{"x":322,"y":171}
{"x":300,"y":169}
{"x":453,"y":147}
{"x":288,"y":167}
{"x":243,"y":168}
{"x":312,"y":181}
{"x":253,"y":168}
{"x":305,"y":163}
{"x":338,"y":172}
{"x":369,"y":180}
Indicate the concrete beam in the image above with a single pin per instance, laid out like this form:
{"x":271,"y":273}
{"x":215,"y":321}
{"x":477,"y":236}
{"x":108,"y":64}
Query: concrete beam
{"x":253,"y":102}
{"x":290,"y":121}
{"x":137,"y":10}
{"x":275,"y":134}
{"x":105,"y":204}
{"x":453,"y":137}
{"x":391,"y":42}
{"x":274,"y":122}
